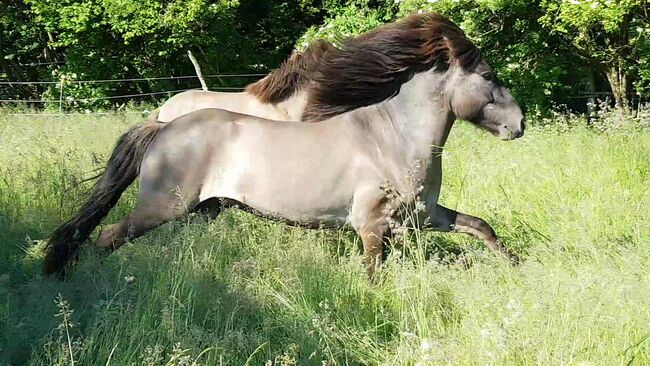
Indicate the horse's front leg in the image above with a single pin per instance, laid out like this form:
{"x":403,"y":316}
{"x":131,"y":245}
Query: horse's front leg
{"x":447,"y":220}
{"x":369,"y":218}
{"x":372,"y":236}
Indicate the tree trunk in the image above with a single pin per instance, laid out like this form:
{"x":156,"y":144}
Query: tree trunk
{"x":616,"y":71}
{"x":618,"y":80}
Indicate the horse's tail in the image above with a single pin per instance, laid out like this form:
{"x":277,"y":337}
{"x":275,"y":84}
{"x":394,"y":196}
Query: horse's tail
{"x":122,"y":169}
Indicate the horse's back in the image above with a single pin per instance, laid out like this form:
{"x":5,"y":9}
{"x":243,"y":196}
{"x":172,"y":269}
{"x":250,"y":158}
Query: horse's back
{"x":205,"y":127}
{"x":213,"y":116}
{"x":193,"y":100}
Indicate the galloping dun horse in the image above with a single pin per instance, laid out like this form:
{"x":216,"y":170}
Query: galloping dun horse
{"x":281,"y":95}
{"x":384,"y":102}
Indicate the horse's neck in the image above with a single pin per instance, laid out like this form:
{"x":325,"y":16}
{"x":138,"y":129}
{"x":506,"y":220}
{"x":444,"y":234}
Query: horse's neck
{"x":294,"y":106}
{"x":412,"y":128}
{"x":420,"y":120}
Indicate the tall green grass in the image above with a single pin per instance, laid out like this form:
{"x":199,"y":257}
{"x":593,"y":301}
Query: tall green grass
{"x":240,"y":290}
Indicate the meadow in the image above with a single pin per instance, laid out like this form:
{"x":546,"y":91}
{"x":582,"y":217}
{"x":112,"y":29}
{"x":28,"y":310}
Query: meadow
{"x":573,"y":201}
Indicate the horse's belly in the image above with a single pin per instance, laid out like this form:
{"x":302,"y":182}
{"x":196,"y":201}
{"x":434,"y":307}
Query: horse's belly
{"x":304,"y":196}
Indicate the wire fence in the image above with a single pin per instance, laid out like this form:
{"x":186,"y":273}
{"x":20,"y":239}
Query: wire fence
{"x":68,"y":114}
{"x":212,"y":76}
{"x":576,"y":102}
{"x":71,"y":100}
{"x":31,"y":64}
{"x":86,"y":100}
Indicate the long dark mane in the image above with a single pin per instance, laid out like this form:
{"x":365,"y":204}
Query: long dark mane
{"x":292,"y":74}
{"x":371,"y":68}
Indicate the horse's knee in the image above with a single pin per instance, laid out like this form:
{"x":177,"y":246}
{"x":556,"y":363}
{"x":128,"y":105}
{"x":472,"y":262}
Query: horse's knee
{"x":486,"y":229}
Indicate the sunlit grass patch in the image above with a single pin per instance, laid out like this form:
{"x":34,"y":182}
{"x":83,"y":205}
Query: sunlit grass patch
{"x":574,"y":205}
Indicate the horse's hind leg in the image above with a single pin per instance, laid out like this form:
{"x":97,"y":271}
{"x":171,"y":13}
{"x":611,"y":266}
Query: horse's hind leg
{"x":161,"y":199}
{"x":146,"y":215}
{"x":448,"y":220}
{"x":171,"y":176}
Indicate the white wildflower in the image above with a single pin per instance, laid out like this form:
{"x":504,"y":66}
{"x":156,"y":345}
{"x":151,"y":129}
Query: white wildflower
{"x":426,"y":345}
{"x":408,"y":335}
{"x":324,"y":304}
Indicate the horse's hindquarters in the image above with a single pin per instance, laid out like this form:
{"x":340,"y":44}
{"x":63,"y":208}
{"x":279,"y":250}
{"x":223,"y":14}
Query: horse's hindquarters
{"x":175,"y":165}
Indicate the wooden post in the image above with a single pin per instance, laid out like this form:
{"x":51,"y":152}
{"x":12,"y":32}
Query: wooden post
{"x":592,"y":108}
{"x":61,"y":82}
{"x":197,"y":68}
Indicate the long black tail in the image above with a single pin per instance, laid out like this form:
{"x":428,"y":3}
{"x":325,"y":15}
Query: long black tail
{"x":122,"y":169}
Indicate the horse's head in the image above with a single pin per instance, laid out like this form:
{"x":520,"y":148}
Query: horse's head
{"x":477,"y":96}
{"x":373,"y":67}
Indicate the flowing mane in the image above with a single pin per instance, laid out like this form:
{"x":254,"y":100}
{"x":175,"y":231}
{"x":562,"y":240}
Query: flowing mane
{"x":372,"y":67}
{"x":292,"y":74}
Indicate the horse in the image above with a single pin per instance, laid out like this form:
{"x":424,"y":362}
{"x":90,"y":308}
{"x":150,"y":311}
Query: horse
{"x":384,"y":103}
{"x":281,"y":95}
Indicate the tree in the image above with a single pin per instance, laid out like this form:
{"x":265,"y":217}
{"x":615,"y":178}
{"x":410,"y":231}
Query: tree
{"x":544,"y":50}
{"x":606,"y":34}
{"x":533,"y":63}
{"x":23,"y":47}
{"x":354,"y":18}
{"x":114,"y":39}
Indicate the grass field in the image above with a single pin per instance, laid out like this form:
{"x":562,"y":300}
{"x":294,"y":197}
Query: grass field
{"x":241,"y":290}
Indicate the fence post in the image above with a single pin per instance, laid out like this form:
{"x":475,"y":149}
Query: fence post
{"x":197,"y":68}
{"x":61,"y":82}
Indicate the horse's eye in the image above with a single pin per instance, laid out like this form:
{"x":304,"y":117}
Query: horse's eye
{"x":488,"y":76}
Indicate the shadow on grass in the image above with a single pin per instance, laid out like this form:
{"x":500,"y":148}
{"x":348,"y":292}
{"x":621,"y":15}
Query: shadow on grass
{"x":144,"y":299}
{"x":152,"y":294}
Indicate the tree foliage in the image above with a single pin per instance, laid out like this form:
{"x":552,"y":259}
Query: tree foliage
{"x":354,"y":18}
{"x":545,"y":50}
{"x":114,"y":39}
{"x":609,"y":35}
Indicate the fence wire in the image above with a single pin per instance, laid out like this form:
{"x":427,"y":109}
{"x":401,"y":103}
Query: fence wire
{"x":68,"y":100}
{"x":68,"y":114}
{"x":213,"y":76}
{"x":92,"y":99}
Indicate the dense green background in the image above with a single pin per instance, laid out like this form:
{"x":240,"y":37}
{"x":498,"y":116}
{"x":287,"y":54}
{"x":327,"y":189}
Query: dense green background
{"x":548,"y":51}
